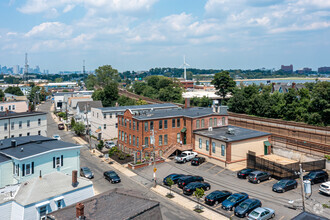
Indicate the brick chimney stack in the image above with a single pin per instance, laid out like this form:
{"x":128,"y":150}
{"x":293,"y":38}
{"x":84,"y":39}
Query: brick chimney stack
{"x":187,"y":103}
{"x":74,"y":178}
{"x":293,"y":85}
{"x":80,"y":211}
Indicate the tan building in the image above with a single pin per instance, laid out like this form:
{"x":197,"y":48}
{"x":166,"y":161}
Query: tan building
{"x":227,"y":146}
{"x":14,"y":106}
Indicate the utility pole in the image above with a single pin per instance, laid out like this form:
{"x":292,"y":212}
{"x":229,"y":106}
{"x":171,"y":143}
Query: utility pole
{"x":154,"y":167}
{"x":89,"y":133}
{"x":302,"y":187}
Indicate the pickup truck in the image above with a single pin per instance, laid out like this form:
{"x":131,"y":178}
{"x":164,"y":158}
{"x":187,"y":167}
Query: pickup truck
{"x":185,"y":156}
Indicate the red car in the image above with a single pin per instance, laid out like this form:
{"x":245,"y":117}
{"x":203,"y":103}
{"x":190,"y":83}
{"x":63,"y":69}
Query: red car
{"x":61,"y":126}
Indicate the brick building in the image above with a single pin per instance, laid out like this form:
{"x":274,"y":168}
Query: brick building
{"x":173,"y":129}
{"x":288,"y":69}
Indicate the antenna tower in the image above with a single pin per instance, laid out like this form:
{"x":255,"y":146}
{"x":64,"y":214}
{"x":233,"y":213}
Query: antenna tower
{"x":84,"y":67}
{"x":26,"y":68}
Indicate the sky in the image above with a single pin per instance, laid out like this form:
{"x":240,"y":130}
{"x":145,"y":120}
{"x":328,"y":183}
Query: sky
{"x":142,"y":34}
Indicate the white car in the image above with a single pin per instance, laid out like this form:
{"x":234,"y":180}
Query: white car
{"x":56,"y":136}
{"x":325,"y":188}
{"x":185,"y":156}
{"x":261,"y":214}
{"x":109,"y":144}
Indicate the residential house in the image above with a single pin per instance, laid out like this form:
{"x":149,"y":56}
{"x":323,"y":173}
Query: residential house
{"x":15,"y":106}
{"x":284,"y":87}
{"x":14,"y":124}
{"x":83,"y":108}
{"x":24,"y":158}
{"x":104,"y":122}
{"x":167,"y":130}
{"x":227,"y":146}
{"x":113,"y":204}
{"x":61,"y":99}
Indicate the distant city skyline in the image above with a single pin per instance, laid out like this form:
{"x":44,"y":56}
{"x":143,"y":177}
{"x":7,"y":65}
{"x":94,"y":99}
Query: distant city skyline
{"x":142,"y":34}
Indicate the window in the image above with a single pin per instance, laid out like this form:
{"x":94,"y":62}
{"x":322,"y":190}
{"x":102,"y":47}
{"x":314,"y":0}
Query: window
{"x":210,"y":122}
{"x":125,"y":137}
{"x":207,"y":145}
{"x":39,"y":132}
{"x":133,"y":125}
{"x":59,"y":203}
{"x":119,"y":135}
{"x":104,"y":116}
{"x":122,"y":136}
{"x":222,"y":150}
{"x":1,"y":108}
{"x":146,"y":142}
{"x":200,"y":143}
{"x":133,"y":140}
{"x":130,"y":139}
{"x":165,"y":124}
{"x":17,"y":169}
{"x":137,"y":126}
{"x":125,"y":122}
{"x":12,"y":125}
{"x":13,"y":136}
{"x":173,"y":123}
{"x":130,"y":125}
{"x":28,"y":134}
{"x":20,"y":124}
{"x":203,"y":124}
{"x":165,"y":139}
{"x":178,"y":122}
{"x":6,"y":137}
{"x":151,"y":125}
{"x":197,"y":124}
{"x":14,"y":107}
{"x":145,"y":126}
{"x":20,"y":135}
{"x":116,"y":125}
{"x":178,"y":137}
{"x":27,"y":169}
{"x":28,"y":123}
{"x":105,"y":126}
{"x":223,"y":121}
{"x":213,"y":147}
{"x":160,"y":142}
{"x":137,"y":141}
{"x":43,"y":212}
{"x":97,"y":115}
{"x":5,"y":126}
{"x":110,"y":115}
{"x":122,"y":121}
{"x":160,"y":124}
{"x":215,"y":122}
{"x":9,"y":107}
{"x":58,"y":161}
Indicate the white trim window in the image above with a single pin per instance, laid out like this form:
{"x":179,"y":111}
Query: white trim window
{"x":200,"y":143}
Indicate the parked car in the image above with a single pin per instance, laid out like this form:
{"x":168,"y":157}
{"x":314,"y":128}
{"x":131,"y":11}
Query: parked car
{"x":86,"y":172}
{"x":258,"y":176}
{"x":261,"y":214}
{"x":317,"y":176}
{"x":325,"y":188}
{"x":56,"y":136}
{"x":284,"y":185}
{"x":243,"y":174}
{"x":60,"y":126}
{"x":234,"y":200}
{"x":109,"y":144}
{"x":191,"y":187}
{"x":175,"y":177}
{"x":185,"y":156}
{"x":216,"y":197}
{"x":183,"y":181}
{"x":244,"y":208}
{"x":197,"y":161}
{"x":111,"y":176}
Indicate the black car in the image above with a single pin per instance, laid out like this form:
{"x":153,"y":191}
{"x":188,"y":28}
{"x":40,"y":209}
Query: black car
{"x":112,"y":176}
{"x":285,"y":185}
{"x":175,"y":177}
{"x":191,"y":187}
{"x":317,"y":176}
{"x":258,"y":176}
{"x":244,"y":208}
{"x":234,"y":200}
{"x":86,"y":172}
{"x":243,"y":174}
{"x":197,"y":161}
{"x":216,"y":197}
{"x":183,"y":181}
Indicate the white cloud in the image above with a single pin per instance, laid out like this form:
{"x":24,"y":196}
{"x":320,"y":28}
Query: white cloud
{"x":68,"y":8}
{"x":50,"y":30}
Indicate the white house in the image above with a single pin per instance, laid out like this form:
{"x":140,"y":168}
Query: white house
{"x":14,"y":124}
{"x":84,"y":107}
{"x":104,"y":122}
{"x":61,"y":99}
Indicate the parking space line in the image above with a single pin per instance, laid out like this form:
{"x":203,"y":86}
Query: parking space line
{"x":220,"y":171}
{"x":211,"y":167}
{"x":282,"y":217}
{"x":202,"y":165}
{"x":267,"y":181}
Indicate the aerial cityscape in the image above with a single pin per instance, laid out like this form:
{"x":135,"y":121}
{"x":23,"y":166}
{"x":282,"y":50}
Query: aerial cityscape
{"x":154,"y":109}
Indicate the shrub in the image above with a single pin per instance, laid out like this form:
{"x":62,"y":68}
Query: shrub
{"x":122,"y":157}
{"x":100,"y":145}
{"x":112,"y":151}
{"x":128,"y":155}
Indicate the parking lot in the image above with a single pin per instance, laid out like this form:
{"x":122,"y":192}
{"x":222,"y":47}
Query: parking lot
{"x":222,"y":179}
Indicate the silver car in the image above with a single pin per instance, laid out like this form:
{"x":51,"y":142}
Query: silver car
{"x":261,"y":214}
{"x":86,"y":172}
{"x":109,"y":144}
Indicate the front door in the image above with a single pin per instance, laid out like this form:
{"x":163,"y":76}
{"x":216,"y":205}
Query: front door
{"x":184,"y":138}
{"x":265,"y":150}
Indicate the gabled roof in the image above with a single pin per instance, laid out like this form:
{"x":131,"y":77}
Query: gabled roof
{"x":90,"y":104}
{"x":28,"y":146}
{"x":138,"y":107}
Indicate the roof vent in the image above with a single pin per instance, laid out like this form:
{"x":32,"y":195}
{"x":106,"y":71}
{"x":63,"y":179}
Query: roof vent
{"x":13,"y":143}
{"x":231,"y":131}
{"x":22,"y":149}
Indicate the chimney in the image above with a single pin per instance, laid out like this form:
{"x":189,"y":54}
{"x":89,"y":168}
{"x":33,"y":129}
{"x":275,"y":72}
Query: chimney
{"x":80,"y":211}
{"x":74,"y":178}
{"x":40,"y":176}
{"x":293,"y":85}
{"x":187,"y":103}
{"x":13,"y":143}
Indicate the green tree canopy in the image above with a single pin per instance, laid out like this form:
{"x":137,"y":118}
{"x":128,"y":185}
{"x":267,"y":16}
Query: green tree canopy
{"x":14,"y":90}
{"x":79,"y":128}
{"x":105,"y":75}
{"x":223,"y":83}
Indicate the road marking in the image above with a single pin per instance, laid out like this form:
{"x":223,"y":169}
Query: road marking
{"x":282,"y":217}
{"x":220,"y":171}
{"x":202,"y":165}
{"x":211,"y":168}
{"x":267,"y":181}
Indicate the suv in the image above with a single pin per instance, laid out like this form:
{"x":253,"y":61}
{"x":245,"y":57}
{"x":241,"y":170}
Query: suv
{"x":317,"y":176}
{"x":325,"y":188}
{"x":191,"y":187}
{"x":109,"y":144}
{"x":197,"y":161}
{"x":258,"y":176}
{"x":183,"y":181}
{"x":185,"y":156}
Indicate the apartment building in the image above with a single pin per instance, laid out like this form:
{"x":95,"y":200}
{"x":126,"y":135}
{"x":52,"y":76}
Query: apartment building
{"x":104,"y":121}
{"x":14,"y":124}
{"x":15,"y":106}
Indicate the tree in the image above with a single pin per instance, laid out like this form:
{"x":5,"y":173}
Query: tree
{"x":124,"y":100}
{"x":105,"y":75}
{"x":170,"y":183}
{"x":91,"y":82}
{"x":141,"y":102}
{"x":79,"y":128}
{"x":58,"y":80}
{"x":43,"y":94}
{"x":199,"y":193}
{"x":108,"y":95}
{"x":14,"y":90}
{"x":223,"y":83}
{"x":100,"y":145}
{"x":153,"y":81}
{"x":2,"y":94}
{"x":138,"y":87}
{"x":73,"y":122}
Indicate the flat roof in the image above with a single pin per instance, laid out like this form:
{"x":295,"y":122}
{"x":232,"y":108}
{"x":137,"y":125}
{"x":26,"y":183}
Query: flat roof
{"x":28,"y":146}
{"x":237,"y":134}
{"x":187,"y":112}
{"x":4,"y":115}
{"x":138,"y":107}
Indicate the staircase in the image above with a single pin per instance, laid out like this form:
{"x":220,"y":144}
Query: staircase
{"x":170,"y":150}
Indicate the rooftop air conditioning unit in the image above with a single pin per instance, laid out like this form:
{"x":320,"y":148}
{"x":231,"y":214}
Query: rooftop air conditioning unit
{"x":210,"y":129}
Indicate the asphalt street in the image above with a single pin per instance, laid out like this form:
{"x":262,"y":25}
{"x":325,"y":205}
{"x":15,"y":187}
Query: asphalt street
{"x":169,"y":209}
